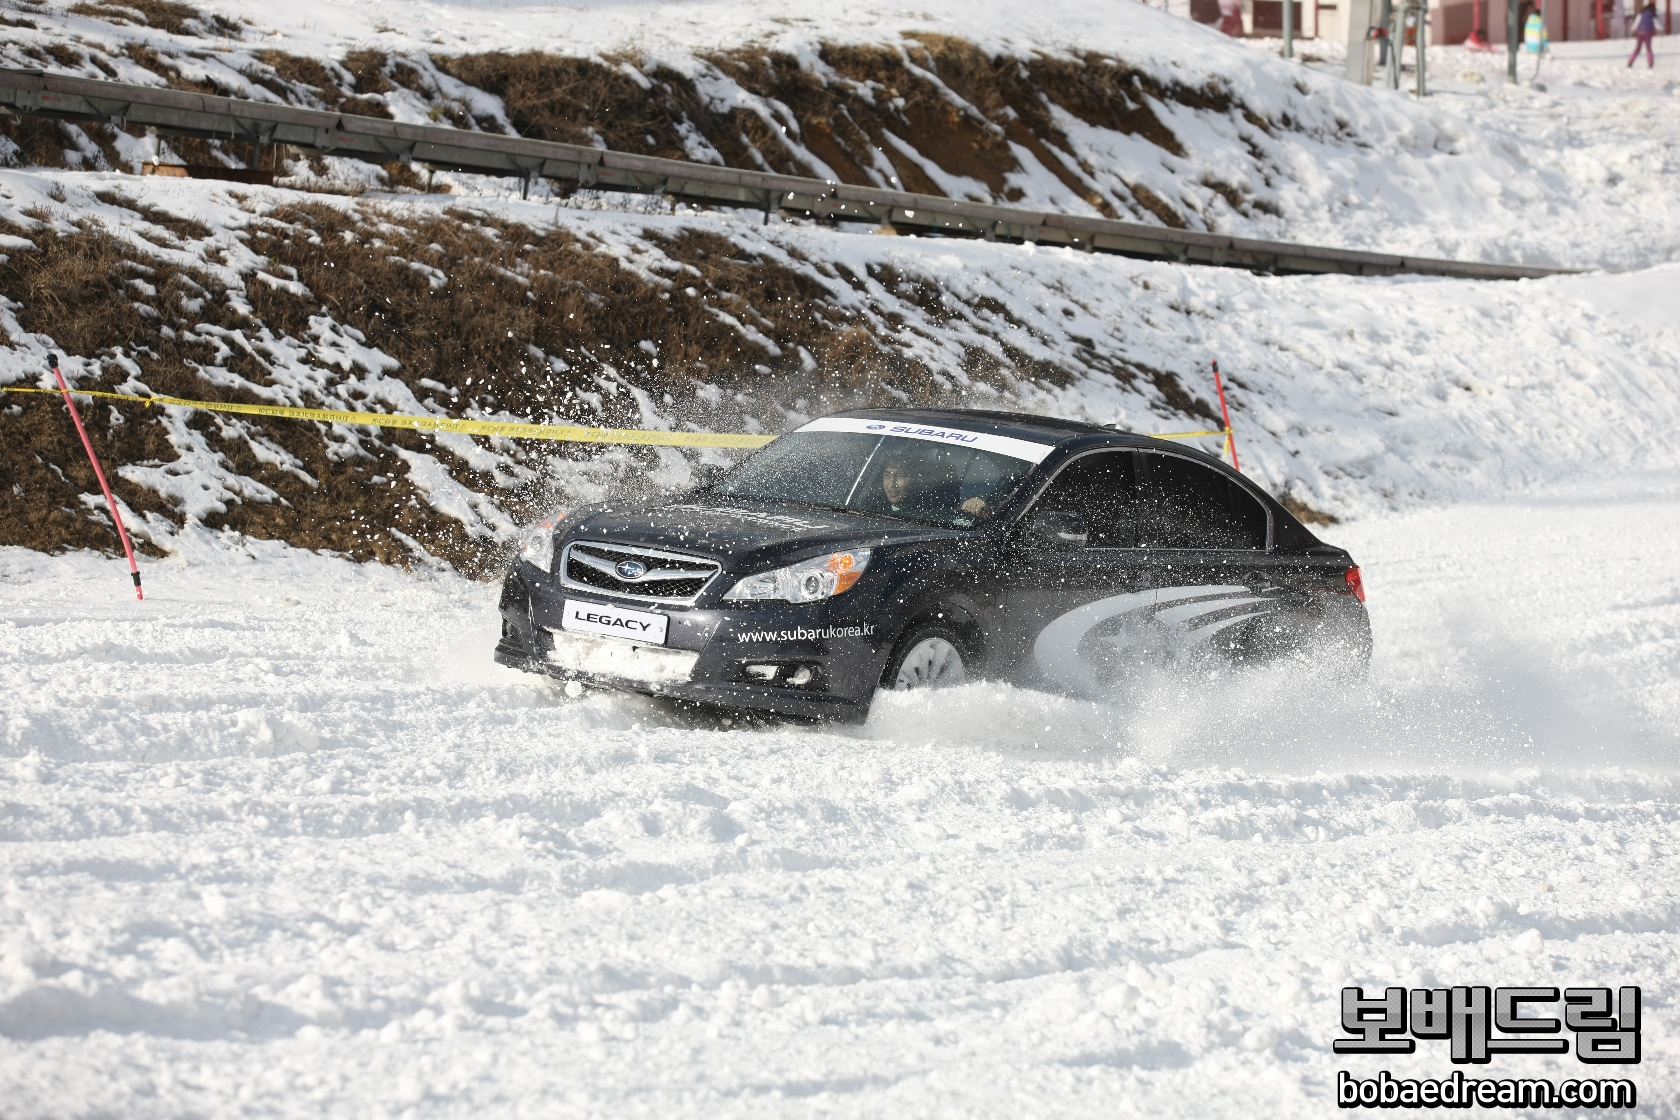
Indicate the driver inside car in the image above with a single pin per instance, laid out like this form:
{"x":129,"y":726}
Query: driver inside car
{"x":905,"y":484}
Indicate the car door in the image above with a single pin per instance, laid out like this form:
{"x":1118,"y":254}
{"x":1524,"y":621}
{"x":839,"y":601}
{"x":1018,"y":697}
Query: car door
{"x":1204,"y":539}
{"x":1046,"y":580}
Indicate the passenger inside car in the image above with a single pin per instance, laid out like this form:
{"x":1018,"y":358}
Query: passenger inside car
{"x":917,"y":480}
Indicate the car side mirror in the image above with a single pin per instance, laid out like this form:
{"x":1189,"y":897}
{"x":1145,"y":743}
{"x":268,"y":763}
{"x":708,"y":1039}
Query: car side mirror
{"x":1059,"y":528}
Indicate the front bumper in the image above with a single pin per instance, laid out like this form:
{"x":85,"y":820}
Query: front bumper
{"x":710,"y":654}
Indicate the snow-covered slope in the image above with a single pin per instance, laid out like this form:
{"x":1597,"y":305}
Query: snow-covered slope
{"x":281,"y":841}
{"x":1118,"y":109}
{"x":1349,"y":394}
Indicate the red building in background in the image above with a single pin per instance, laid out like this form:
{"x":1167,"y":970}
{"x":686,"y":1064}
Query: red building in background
{"x":1450,"y":21}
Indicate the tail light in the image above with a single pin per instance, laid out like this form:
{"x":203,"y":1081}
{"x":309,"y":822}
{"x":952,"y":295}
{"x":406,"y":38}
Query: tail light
{"x":1355,"y":583}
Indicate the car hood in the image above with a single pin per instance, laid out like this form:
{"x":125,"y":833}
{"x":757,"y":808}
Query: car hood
{"x":745,"y":536}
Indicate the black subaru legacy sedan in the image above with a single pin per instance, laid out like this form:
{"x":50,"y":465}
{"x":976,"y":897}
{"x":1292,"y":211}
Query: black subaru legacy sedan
{"x":915,"y":548}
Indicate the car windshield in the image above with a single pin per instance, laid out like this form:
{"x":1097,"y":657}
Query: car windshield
{"x":912,"y":479}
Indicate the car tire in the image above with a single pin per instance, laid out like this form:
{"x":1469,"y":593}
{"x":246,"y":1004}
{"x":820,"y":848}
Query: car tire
{"x":928,"y":656}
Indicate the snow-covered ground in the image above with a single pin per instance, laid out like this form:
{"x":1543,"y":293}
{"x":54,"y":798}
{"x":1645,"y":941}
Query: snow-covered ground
{"x":282,"y":841}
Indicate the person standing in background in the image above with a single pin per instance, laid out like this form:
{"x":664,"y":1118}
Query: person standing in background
{"x":1535,"y":37}
{"x":1230,"y":17}
{"x":1644,"y":28}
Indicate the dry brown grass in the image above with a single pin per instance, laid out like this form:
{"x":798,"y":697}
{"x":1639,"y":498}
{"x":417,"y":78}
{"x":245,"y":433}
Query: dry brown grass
{"x":573,"y":100}
{"x":848,"y":124}
{"x":41,"y":143}
{"x":577,"y":100}
{"x":76,"y":289}
{"x":509,"y":288}
{"x":1307,"y":513}
{"x":572,"y":300}
{"x":164,"y":15}
{"x":77,"y":286}
{"x":297,"y":78}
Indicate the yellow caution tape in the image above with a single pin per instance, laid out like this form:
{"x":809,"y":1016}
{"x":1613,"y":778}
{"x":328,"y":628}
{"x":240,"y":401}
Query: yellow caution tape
{"x":1192,"y":435}
{"x":1224,"y":449}
{"x":563,"y":432}
{"x":566,"y":432}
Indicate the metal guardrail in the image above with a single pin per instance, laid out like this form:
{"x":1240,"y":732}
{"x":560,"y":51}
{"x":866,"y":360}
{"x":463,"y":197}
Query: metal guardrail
{"x":180,"y":113}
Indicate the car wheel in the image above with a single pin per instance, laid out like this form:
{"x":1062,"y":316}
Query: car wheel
{"x":929,"y":656}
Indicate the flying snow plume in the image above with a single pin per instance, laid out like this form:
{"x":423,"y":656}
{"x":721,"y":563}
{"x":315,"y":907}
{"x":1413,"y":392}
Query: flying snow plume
{"x":1490,"y":705}
{"x":1463,"y":681}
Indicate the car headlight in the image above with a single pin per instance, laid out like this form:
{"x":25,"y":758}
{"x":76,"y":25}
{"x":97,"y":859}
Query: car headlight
{"x":820,"y":577}
{"x":538,"y":546}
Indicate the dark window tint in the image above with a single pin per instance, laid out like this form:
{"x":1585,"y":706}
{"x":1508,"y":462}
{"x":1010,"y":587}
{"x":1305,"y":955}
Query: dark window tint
{"x":1100,"y":488}
{"x":814,"y":468}
{"x":1182,"y":504}
{"x":933,"y":483}
{"x":938,"y":484}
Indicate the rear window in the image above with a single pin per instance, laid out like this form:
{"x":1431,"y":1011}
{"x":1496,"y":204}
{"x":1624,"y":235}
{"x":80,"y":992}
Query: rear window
{"x":1182,"y":504}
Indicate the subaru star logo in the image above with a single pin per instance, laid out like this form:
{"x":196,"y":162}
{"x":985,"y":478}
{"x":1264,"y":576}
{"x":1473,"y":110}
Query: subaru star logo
{"x":876,"y":427}
{"x":631,"y":569}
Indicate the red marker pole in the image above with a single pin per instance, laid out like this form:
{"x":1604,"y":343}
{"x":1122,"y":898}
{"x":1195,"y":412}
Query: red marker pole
{"x":1230,"y":436}
{"x":133,"y":568}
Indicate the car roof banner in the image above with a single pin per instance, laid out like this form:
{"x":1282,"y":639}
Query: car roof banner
{"x":998,"y":445}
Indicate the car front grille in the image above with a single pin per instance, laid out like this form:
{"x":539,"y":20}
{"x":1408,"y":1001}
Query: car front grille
{"x":664,"y":577}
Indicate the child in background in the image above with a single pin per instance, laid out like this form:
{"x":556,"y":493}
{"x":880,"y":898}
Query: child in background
{"x":1535,"y":37}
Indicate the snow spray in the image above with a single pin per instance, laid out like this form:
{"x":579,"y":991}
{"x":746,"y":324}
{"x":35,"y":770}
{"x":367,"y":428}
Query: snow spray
{"x":133,"y":568}
{"x":1230,"y":436}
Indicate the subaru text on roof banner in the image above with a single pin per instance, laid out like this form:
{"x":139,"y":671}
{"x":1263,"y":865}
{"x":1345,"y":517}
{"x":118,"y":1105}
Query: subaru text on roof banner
{"x":910,"y":548}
